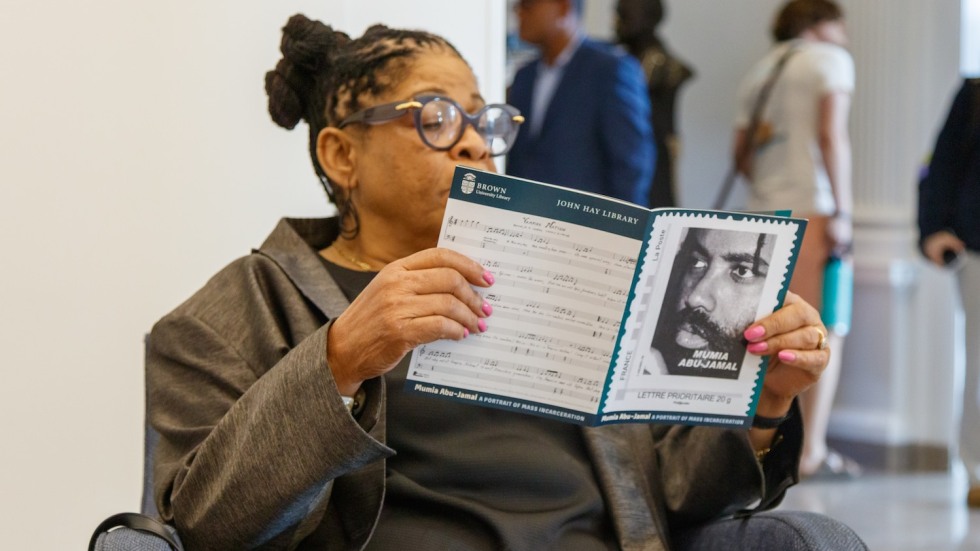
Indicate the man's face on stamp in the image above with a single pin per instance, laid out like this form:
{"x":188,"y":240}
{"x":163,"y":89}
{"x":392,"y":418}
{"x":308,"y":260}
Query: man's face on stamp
{"x":716,"y":282}
{"x":723,"y":274}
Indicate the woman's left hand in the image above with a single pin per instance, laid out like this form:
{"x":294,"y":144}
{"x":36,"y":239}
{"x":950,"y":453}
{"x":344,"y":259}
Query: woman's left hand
{"x":795,"y":340}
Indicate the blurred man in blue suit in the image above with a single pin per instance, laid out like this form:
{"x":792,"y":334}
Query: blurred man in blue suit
{"x":586,"y":105}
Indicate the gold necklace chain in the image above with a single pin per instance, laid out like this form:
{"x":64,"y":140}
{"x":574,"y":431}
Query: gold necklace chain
{"x":350,"y":257}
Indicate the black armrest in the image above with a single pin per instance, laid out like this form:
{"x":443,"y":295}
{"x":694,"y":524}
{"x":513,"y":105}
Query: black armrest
{"x":134,"y":532}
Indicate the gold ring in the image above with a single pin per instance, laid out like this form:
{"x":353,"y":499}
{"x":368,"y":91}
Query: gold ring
{"x":822,"y":344}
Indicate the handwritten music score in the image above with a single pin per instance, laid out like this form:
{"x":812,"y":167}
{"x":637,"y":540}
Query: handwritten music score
{"x":558,"y":303}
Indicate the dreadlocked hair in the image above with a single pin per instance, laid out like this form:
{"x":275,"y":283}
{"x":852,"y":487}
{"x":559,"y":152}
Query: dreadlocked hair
{"x":374,"y":63}
{"x":294,"y":86}
{"x":324,"y":76}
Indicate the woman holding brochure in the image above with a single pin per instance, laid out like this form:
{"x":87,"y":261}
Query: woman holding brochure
{"x":277,"y":388}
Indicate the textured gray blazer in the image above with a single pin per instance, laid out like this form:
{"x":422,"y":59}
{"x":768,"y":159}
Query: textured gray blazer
{"x":258,"y":451}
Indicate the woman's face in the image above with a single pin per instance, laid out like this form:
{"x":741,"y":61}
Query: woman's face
{"x":400,"y":184}
{"x":833,"y":32}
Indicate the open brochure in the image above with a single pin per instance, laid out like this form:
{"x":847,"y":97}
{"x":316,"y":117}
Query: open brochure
{"x":605,"y":311}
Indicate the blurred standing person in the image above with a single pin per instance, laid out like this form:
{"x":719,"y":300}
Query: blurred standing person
{"x":636,"y":29}
{"x":586,"y":105}
{"x":949,"y":200}
{"x":800,"y":159}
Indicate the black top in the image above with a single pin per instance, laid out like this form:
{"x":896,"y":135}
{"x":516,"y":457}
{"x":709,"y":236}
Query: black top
{"x":457,"y":484}
{"x":949,"y":194}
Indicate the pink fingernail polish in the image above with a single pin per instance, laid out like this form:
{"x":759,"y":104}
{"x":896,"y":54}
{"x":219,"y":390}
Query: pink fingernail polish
{"x":757,"y":347}
{"x":488,"y":277}
{"x":755,"y":332}
{"x":787,"y":356}
{"x":487,"y":309}
{"x":482,"y":325}
{"x":466,"y":332}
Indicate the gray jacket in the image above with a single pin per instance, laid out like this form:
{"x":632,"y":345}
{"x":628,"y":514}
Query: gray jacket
{"x":258,"y":450}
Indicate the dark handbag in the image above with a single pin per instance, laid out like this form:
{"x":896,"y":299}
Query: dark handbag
{"x":751,"y":132}
{"x":144,"y":533}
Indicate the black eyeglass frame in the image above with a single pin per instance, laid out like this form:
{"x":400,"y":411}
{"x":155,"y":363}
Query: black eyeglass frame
{"x":386,"y":112}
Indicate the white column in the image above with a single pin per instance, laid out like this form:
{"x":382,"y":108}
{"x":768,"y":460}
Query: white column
{"x":899,"y":361}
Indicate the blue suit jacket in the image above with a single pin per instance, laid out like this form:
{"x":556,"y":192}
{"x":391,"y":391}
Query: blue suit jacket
{"x":596,"y":134}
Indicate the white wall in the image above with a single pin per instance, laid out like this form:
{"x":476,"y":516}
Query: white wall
{"x":137,"y":158}
{"x":970,"y":30}
{"x":896,"y":389}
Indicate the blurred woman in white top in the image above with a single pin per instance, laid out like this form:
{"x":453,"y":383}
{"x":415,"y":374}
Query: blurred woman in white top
{"x":801,"y":160}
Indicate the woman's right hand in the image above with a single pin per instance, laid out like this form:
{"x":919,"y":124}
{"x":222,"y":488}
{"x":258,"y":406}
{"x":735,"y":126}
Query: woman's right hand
{"x":413,"y":301}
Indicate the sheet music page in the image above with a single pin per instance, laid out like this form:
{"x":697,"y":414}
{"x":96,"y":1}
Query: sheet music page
{"x":558,"y":299}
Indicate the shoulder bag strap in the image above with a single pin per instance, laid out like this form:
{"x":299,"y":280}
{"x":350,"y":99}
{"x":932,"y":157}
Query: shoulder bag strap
{"x":748,"y":144}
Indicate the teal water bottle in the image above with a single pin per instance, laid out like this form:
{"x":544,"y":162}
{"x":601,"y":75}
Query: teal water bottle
{"x":838,"y":295}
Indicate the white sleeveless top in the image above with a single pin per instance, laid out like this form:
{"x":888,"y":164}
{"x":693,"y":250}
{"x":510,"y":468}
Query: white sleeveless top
{"x":788,"y":171}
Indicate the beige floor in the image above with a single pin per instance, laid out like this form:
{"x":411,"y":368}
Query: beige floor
{"x":907,"y":512}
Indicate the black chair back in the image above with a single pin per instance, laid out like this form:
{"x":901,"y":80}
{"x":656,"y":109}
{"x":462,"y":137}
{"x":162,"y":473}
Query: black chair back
{"x":150,"y":438}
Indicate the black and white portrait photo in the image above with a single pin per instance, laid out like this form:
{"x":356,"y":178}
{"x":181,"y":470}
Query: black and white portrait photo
{"x":712,"y":296}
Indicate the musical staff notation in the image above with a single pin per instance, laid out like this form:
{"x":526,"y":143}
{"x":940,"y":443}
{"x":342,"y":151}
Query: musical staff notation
{"x":535,"y":381}
{"x":474,"y":234}
{"x":557,"y":307}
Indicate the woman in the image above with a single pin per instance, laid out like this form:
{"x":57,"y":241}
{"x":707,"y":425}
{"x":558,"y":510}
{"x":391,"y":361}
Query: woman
{"x":802,"y":161}
{"x":251,"y":378}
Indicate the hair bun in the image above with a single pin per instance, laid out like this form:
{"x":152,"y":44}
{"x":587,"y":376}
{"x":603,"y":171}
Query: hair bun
{"x":307,"y":43}
{"x":286,"y":106}
{"x":307,"y":47}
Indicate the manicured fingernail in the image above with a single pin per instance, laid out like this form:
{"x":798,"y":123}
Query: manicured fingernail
{"x":488,"y":277}
{"x":787,"y":356}
{"x":487,"y":309}
{"x":758,"y":347}
{"x":482,"y":325}
{"x":755,"y":332}
{"x":466,"y":332}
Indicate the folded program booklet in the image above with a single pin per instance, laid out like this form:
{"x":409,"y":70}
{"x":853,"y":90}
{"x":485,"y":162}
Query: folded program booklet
{"x":605,"y":311}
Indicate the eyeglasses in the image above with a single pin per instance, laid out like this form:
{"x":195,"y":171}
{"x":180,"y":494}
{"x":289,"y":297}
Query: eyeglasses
{"x":441,"y":122}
